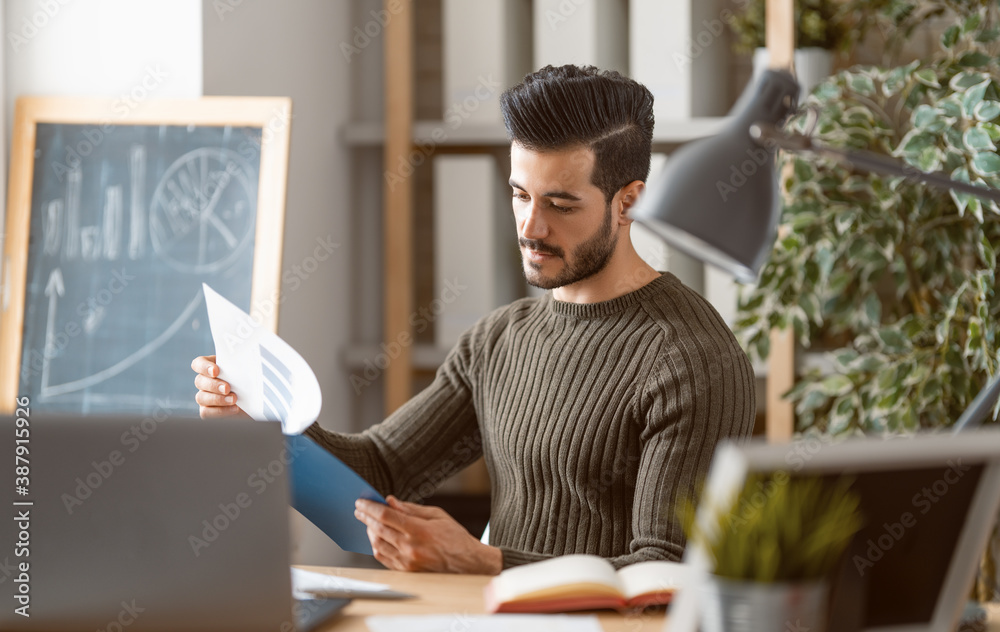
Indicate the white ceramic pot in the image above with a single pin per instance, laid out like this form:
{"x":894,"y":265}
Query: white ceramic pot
{"x":742,"y":606}
{"x":812,"y":65}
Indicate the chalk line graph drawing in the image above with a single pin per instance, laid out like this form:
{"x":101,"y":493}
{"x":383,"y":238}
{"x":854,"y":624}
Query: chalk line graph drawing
{"x":56,"y":288}
{"x":112,"y":222}
{"x":90,"y":243}
{"x":74,"y":181}
{"x":137,"y":206}
{"x":52,"y":227}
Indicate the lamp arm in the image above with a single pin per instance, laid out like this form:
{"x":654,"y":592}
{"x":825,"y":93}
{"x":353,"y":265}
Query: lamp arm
{"x":981,"y":407}
{"x":766,"y":134}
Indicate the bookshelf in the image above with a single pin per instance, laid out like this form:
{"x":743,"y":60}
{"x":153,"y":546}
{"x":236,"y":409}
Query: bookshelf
{"x":401,"y":132}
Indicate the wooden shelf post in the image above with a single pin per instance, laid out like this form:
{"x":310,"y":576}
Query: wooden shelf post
{"x":397,"y":214}
{"x":780,"y":34}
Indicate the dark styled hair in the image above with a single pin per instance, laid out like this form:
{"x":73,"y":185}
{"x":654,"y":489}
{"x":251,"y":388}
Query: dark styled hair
{"x":558,"y":108}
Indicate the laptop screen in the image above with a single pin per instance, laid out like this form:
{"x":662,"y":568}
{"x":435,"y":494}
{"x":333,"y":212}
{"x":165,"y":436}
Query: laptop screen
{"x":169,"y":523}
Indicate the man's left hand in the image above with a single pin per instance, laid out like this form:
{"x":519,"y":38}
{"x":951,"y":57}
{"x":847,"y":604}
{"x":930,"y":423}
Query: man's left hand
{"x":410,"y":537}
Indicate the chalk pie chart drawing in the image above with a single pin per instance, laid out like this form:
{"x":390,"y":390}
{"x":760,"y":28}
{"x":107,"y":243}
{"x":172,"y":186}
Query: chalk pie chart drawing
{"x":203,"y":204}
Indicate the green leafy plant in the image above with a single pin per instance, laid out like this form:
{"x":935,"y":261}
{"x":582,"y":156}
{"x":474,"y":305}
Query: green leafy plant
{"x":827,"y":24}
{"x":779,"y":528}
{"x":896,"y":279}
{"x":896,"y":20}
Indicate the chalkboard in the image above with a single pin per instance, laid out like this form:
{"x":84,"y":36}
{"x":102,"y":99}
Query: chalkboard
{"x":115,"y":219}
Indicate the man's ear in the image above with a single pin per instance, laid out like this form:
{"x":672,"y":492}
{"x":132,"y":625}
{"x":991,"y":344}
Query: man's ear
{"x":627,"y":197}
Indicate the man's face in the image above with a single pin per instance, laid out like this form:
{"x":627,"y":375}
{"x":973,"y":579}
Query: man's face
{"x":564,"y":227}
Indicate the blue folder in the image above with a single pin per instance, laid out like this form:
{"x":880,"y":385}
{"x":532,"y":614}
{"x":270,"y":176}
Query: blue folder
{"x":324,"y":490}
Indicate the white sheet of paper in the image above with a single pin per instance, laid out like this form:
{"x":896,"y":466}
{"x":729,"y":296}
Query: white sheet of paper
{"x":485,"y":623}
{"x":305,"y":583}
{"x":271,"y":380}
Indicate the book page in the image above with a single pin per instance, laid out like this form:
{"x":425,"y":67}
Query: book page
{"x":589,"y":572}
{"x":653,"y":577}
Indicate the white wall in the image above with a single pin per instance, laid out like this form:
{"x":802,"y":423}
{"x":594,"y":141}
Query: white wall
{"x":269,"y":48}
{"x":128,"y":49}
{"x":147,"y":49}
{"x":132,"y":50}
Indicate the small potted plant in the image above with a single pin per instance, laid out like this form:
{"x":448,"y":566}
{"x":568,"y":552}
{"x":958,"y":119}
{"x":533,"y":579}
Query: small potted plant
{"x":772,"y":551}
{"x":823,"y":27}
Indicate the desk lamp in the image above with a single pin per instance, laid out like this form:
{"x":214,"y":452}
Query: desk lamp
{"x":718,"y":200}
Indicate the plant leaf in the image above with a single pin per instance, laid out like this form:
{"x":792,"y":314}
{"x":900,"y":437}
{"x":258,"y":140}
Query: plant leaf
{"x":972,"y":22}
{"x":837,"y":385}
{"x":928,"y":118}
{"x":962,"y":81}
{"x":893,"y":339}
{"x":873,"y":309}
{"x":992,"y":128}
{"x":927,"y":77}
{"x":986,"y":164}
{"x":950,"y":37}
{"x":862,"y":84}
{"x":987,"y":110}
{"x":978,"y":139}
{"x":975,"y":59}
{"x":973,"y":97}
{"x":915,"y":142}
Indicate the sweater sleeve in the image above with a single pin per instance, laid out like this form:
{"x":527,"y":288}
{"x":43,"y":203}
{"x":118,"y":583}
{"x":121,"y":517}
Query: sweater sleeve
{"x":423,"y":443}
{"x":514,"y":557}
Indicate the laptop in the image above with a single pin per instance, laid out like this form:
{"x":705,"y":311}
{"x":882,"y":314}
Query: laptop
{"x":145,"y":524}
{"x":929,"y":502}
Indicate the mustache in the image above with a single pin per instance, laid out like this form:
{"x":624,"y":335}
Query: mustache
{"x":538,"y":246}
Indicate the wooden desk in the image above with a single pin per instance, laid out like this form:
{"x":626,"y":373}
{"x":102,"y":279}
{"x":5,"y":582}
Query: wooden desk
{"x":462,"y":595}
{"x":438,"y":593}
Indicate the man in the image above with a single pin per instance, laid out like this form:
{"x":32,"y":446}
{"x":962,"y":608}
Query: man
{"x":597,"y":407}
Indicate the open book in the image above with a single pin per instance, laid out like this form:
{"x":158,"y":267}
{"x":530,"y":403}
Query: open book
{"x":583,"y":582}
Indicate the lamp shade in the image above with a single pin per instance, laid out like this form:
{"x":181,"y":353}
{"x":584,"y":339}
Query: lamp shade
{"x":717,"y":198}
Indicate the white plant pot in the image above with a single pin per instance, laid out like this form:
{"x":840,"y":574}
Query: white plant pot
{"x":812,"y":65}
{"x":744,"y":606}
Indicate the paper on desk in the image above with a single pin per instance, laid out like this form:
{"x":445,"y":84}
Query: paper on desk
{"x":271,"y":380}
{"x":485,"y":623}
{"x":309,"y":584}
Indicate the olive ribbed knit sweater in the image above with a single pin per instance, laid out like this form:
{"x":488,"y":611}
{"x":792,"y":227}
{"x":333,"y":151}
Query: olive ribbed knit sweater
{"x":594,"y":419}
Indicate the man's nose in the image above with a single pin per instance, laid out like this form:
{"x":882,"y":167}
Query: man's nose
{"x":533,"y":225}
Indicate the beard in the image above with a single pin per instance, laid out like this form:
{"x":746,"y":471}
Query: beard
{"x":586,"y":260}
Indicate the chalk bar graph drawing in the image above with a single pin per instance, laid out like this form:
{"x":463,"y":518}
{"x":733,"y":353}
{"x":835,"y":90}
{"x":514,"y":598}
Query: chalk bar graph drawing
{"x":113,"y":224}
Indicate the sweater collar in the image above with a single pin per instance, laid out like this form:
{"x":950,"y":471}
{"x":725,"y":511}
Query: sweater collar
{"x":660,"y":284}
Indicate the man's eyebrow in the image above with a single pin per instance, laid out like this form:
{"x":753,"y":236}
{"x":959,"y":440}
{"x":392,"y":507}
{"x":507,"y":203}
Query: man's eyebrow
{"x":562,"y":195}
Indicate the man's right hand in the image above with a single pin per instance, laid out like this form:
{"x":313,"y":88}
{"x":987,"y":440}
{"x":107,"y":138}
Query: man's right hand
{"x":215,"y":397}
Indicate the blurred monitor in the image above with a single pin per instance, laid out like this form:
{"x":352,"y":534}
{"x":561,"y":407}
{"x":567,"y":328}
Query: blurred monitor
{"x":929,"y":503}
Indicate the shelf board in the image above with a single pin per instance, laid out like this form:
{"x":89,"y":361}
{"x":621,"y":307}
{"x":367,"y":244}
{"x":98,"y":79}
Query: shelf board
{"x":427,"y":357}
{"x":448,"y":134}
{"x":683,"y":131}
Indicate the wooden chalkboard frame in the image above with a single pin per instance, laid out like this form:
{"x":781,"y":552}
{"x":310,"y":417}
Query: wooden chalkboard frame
{"x":271,"y":114}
